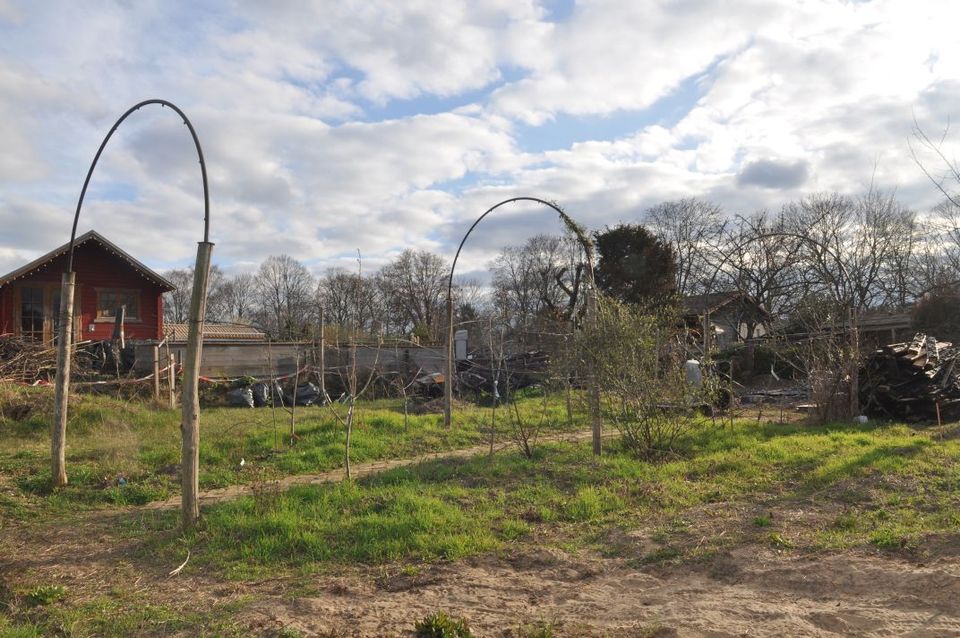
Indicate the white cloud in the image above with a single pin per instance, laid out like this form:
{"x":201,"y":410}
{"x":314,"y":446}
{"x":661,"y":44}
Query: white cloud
{"x":335,"y":126}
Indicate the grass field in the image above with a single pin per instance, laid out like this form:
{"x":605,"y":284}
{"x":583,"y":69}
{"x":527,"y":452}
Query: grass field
{"x":880,"y":488}
{"x":885,"y":486}
{"x":108,"y":439}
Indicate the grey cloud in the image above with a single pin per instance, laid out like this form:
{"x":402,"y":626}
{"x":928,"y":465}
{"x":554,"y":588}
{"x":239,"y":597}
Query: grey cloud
{"x":774,"y":174}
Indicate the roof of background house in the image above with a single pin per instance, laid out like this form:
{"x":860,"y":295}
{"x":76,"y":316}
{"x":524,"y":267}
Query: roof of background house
{"x":882,"y":320}
{"x":714,"y":301}
{"x":216,"y":332}
{"x":90,"y":235}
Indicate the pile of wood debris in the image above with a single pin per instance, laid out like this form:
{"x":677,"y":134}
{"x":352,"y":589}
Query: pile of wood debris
{"x":512,"y":372}
{"x":26,"y":361}
{"x":918,"y":381}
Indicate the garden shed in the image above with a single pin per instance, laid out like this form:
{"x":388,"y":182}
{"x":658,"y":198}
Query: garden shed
{"x":107,"y":278}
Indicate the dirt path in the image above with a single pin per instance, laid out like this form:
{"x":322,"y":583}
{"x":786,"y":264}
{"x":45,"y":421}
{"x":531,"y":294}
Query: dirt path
{"x":751,"y":591}
{"x":747,"y":590}
{"x":357,"y":470}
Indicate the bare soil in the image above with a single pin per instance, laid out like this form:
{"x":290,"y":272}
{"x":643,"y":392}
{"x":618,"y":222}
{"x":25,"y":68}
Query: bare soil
{"x":745,"y":589}
{"x":752,"y":591}
{"x":726,"y":579}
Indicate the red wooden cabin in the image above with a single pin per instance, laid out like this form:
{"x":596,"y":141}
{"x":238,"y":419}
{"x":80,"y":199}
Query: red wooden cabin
{"x":107,"y":278}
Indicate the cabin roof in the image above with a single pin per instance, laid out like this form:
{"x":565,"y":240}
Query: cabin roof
{"x":88,"y":236}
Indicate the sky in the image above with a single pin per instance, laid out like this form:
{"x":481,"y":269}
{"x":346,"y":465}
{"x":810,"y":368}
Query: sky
{"x":380,"y":125}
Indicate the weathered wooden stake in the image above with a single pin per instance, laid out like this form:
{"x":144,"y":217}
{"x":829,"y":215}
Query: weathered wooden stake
{"x":322,"y":373}
{"x":595,"y":422}
{"x":448,"y":379}
{"x":854,"y":363}
{"x":156,"y":373}
{"x":172,"y":381}
{"x":190,"y":423}
{"x":58,"y":438}
{"x":293,"y":404}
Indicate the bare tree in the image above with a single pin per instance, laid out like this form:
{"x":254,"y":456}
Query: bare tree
{"x":413,"y":287}
{"x":937,"y":163}
{"x":176,"y":303}
{"x":693,"y":228}
{"x":760,"y":260}
{"x":539,"y":283}
{"x":348,"y":298}
{"x":239,"y":298}
{"x":285,"y":288}
{"x":852,"y":243}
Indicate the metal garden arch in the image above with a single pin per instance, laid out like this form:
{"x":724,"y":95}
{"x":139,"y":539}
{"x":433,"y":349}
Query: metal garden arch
{"x":591,"y":307}
{"x":190,"y":424}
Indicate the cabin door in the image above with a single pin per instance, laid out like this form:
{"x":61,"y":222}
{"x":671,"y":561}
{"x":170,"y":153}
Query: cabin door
{"x":39,"y":310}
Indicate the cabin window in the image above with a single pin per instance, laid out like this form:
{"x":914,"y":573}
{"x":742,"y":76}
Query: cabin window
{"x":31,"y":313}
{"x":108,"y":301}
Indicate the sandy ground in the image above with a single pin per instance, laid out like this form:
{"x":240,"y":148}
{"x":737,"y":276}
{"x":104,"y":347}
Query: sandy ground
{"x":743,"y":586}
{"x":748,"y":590}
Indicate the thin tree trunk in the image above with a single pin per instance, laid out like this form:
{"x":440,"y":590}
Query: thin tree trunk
{"x":567,"y":373}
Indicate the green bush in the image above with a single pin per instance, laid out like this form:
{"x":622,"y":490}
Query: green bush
{"x":440,"y":625}
{"x":45,"y":595}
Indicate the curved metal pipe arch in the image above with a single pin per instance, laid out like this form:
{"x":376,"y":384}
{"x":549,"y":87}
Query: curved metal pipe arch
{"x":448,"y":381}
{"x":566,"y":218}
{"x":96,"y":158}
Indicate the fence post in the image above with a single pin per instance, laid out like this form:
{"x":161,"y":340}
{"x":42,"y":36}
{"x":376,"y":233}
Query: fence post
{"x":190,"y":423}
{"x":172,"y":381}
{"x":596,"y":425}
{"x":156,"y":373}
{"x":62,"y":394}
{"x":448,"y":379}
{"x":323,"y":367}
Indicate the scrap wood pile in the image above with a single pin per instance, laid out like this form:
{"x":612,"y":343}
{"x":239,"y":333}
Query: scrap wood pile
{"x":24,"y":361}
{"x":913,"y":380}
{"x":513,"y":371}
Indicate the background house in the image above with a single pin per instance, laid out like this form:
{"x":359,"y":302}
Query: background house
{"x":734,"y":316}
{"x":107,"y":278}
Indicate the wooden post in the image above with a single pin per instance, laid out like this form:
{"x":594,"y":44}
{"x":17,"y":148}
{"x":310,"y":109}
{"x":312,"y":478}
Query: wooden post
{"x":448,"y":379}
{"x":190,"y":423}
{"x":568,"y":371}
{"x":58,"y":435}
{"x":293,"y":404}
{"x":322,"y":375}
{"x":172,"y":381}
{"x":156,"y":373}
{"x":595,"y":422}
{"x":854,"y":363}
{"x":707,"y":330}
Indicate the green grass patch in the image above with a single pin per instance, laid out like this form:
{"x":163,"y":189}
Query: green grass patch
{"x":125,"y":453}
{"x":897,"y":482}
